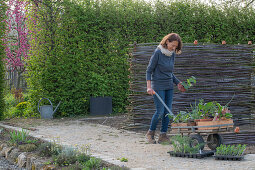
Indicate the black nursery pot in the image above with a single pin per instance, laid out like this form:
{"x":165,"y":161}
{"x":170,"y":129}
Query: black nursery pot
{"x":100,"y":105}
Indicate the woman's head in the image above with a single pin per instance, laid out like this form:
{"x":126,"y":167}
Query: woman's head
{"x":172,"y":42}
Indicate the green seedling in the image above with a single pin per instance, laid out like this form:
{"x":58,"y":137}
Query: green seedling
{"x":189,"y":82}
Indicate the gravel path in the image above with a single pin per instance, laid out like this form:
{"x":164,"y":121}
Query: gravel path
{"x":111,"y":145}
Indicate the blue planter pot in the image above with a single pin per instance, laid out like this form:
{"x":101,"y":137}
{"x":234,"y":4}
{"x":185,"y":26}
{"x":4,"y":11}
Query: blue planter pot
{"x":100,"y":105}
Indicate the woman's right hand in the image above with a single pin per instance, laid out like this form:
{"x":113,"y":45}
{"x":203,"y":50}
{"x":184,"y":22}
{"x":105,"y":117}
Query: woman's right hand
{"x":150,"y":91}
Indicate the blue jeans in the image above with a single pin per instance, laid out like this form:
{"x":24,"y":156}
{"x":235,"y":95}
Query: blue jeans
{"x":161,"y":111}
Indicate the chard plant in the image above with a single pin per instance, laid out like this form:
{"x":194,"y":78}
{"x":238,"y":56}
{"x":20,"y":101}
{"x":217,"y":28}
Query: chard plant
{"x":209,"y":109}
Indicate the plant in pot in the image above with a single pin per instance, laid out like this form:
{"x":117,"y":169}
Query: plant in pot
{"x":222,"y":112}
{"x":207,"y":109}
{"x":100,"y":102}
{"x":202,"y":111}
{"x":181,"y":119}
{"x":219,"y":114}
{"x":196,"y":113}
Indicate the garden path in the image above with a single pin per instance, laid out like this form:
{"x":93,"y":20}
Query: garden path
{"x":111,"y":144}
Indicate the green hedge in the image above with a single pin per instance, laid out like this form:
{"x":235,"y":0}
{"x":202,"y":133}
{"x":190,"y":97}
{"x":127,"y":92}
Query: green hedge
{"x":3,"y":9}
{"x":76,"y":58}
{"x":79,"y":47}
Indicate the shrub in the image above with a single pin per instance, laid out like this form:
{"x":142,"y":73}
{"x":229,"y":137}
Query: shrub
{"x":23,"y":109}
{"x":85,"y":60}
{"x":3,"y":9}
{"x":82,"y":157}
{"x":9,"y":100}
{"x":49,"y":149}
{"x":92,"y":163}
{"x":68,"y":156}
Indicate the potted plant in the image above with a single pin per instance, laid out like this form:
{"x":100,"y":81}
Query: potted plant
{"x":100,"y":102}
{"x":202,"y":111}
{"x":182,"y":119}
{"x":196,"y":113}
{"x":220,"y":113}
{"x":207,"y":110}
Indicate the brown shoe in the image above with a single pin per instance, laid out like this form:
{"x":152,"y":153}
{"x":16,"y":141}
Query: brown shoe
{"x":163,"y":138}
{"x":150,"y":137}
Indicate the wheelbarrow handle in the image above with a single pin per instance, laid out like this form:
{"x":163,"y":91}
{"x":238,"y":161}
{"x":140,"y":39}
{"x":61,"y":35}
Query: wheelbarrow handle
{"x":169,"y":111}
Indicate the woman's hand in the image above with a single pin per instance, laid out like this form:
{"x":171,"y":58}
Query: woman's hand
{"x":150,"y":91}
{"x":181,"y":87}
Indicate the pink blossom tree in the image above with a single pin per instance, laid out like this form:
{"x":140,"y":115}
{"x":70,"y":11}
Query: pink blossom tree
{"x":16,"y":43}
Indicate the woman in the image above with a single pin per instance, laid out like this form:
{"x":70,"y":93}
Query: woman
{"x":160,"y":78}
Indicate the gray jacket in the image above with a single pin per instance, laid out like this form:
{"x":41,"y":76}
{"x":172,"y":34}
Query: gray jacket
{"x":160,"y":71}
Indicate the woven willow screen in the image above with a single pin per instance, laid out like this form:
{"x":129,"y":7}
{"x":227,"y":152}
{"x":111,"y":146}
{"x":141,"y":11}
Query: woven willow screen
{"x":222,"y":71}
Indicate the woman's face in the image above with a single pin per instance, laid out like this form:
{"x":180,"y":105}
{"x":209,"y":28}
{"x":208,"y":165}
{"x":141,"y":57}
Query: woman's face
{"x":171,"y":46}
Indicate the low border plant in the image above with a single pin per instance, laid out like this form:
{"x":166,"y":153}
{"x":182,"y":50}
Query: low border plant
{"x":19,"y":137}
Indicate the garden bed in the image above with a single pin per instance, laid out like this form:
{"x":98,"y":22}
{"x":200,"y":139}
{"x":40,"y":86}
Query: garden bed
{"x":40,"y":154}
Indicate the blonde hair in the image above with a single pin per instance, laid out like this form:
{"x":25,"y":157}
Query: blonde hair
{"x":172,"y":37}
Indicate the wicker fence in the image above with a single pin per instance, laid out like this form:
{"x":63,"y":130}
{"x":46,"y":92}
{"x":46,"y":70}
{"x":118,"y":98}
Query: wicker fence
{"x":222,"y":71}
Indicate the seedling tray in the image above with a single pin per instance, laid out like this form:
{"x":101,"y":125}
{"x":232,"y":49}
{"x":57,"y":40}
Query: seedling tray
{"x":188,"y":155}
{"x":228,"y":158}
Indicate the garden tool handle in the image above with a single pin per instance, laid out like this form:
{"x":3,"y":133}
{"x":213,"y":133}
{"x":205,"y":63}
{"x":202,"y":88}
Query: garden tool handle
{"x":170,"y":112}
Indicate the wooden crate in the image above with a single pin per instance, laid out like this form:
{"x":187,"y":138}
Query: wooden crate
{"x":179,"y":124}
{"x":212,"y":123}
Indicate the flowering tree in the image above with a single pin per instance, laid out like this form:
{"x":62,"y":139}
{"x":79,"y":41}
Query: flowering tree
{"x":16,"y":43}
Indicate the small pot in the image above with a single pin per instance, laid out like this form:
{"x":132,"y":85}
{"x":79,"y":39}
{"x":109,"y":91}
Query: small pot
{"x":191,"y":122}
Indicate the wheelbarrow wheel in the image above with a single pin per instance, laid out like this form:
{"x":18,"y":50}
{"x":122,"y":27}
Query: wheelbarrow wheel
{"x":214,"y":140}
{"x":197,"y":140}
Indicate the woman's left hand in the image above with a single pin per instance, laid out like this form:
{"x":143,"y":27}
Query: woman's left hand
{"x":181,"y":87}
